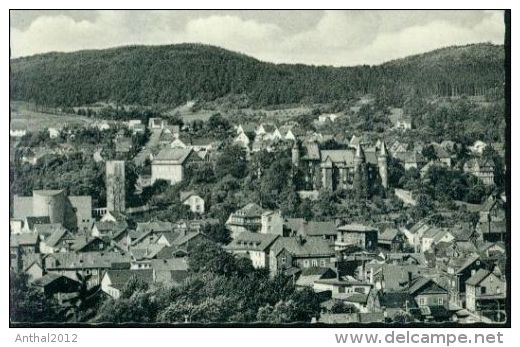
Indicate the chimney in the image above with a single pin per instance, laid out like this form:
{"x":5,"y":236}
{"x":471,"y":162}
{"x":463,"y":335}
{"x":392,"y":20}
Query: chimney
{"x":301,"y":241}
{"x":409,"y":279}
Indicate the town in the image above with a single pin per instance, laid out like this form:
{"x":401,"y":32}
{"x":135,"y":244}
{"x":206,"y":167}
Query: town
{"x":297,"y":219}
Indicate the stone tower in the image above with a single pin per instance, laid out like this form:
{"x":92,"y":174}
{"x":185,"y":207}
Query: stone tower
{"x":359,"y":157}
{"x":295,"y":154}
{"x":115,"y":185}
{"x":382,"y":163}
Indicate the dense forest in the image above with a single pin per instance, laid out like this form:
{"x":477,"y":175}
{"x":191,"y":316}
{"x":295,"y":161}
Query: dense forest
{"x":173,"y":74}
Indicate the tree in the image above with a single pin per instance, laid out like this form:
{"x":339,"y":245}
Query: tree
{"x":232,"y":161}
{"x":132,"y":286}
{"x":206,"y":256}
{"x":217,"y":233}
{"x":429,"y":152}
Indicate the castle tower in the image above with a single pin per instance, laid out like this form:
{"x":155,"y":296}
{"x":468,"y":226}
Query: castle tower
{"x":295,"y":154}
{"x":382,"y":163}
{"x":359,"y":158}
{"x":115,"y":185}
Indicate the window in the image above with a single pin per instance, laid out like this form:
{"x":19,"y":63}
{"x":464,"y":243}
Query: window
{"x":283,"y":260}
{"x":314,"y":262}
{"x":482,"y":290}
{"x":341,"y":289}
{"x":422,"y":301}
{"x":323,"y":263}
{"x":440,"y":301}
{"x":498,"y":290}
{"x":306,"y":263}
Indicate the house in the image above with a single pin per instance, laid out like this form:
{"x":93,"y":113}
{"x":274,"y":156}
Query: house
{"x":325,"y":230}
{"x":170,"y":164}
{"x":90,"y":244}
{"x":485,"y":291}
{"x":426,"y":292}
{"x":91,"y":264}
{"x":312,"y":274}
{"x":492,"y":226}
{"x":349,"y":290}
{"x":434,"y":236}
{"x":17,"y":130}
{"x":248,"y":218}
{"x":459,"y":271}
{"x":193,"y":200}
{"x":482,"y":168}
{"x":108,"y":229}
{"x":356,"y":235}
{"x":390,"y":277}
{"x":16,"y":225}
{"x":478,"y":147}
{"x":31,"y":223}
{"x":416,"y":232}
{"x":51,"y":284}
{"x":156,"y":123}
{"x":322,"y":118}
{"x":255,"y":246}
{"x":392,"y":240}
{"x":243,"y":140}
{"x":114,"y":281}
{"x":290,"y":254}
{"x":53,"y":133}
{"x":34,"y":270}
{"x":170,"y":271}
{"x":393,"y":303}
{"x":60,"y":240}
{"x":272,"y":222}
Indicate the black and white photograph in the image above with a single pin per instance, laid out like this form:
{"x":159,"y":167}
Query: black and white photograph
{"x":259,"y":168}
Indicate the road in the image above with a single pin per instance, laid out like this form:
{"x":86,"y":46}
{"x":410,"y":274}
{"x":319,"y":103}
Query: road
{"x":153,"y":141}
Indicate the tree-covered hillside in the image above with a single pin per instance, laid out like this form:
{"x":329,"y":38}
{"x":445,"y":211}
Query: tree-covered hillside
{"x":173,"y":74}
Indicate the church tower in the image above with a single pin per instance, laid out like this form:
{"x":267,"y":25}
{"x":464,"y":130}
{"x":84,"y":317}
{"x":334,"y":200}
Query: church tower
{"x":295,"y":154}
{"x":115,"y":185}
{"x":382,"y":163}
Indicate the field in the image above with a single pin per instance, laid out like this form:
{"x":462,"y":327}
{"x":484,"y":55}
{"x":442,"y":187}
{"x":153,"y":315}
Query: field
{"x":23,"y":115}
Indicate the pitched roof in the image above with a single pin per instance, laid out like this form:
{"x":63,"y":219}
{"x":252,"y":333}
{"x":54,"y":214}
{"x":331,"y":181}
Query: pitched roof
{"x":311,"y":228}
{"x":187,"y":194}
{"x":47,"y":229}
{"x":177,"y":155}
{"x":23,"y":239}
{"x":119,"y":278}
{"x":302,"y":248}
{"x":56,"y":237}
{"x":354,"y":227}
{"x":155,"y":226}
{"x":478,"y":277}
{"x":252,"y":241}
{"x":421,"y":282}
{"x":388,"y":235}
{"x":338,"y":156}
{"x":72,"y":260}
{"x":32,"y":221}
{"x":47,"y":279}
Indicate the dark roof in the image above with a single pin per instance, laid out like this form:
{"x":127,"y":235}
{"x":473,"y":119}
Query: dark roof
{"x":398,"y":299}
{"x":177,"y":155}
{"x":119,"y":278}
{"x":478,"y":277}
{"x":421,"y":282}
{"x":32,"y":221}
{"x":252,"y":241}
{"x":357,"y":228}
{"x":303,"y":248}
{"x":47,"y":279}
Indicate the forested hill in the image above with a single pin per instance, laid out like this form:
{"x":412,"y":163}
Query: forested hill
{"x":174,"y":74}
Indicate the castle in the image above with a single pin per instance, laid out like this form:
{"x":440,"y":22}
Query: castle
{"x":335,"y":169}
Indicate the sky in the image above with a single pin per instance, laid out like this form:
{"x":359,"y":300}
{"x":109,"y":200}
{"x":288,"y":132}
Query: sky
{"x":338,"y":38}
